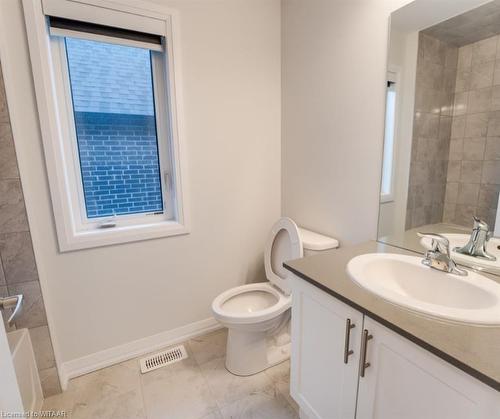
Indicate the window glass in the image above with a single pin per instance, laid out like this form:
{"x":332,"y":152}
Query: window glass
{"x":114,"y":113}
{"x":390,"y":119}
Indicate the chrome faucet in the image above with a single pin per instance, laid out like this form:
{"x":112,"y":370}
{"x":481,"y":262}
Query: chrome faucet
{"x":438,"y":257}
{"x":476,"y":246}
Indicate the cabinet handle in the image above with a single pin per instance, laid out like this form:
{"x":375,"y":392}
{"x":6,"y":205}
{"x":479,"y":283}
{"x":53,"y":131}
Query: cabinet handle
{"x":347,"y":351}
{"x":364,"y":345}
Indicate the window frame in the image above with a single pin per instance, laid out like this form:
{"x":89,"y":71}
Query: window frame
{"x":52,"y":85}
{"x":63,"y":88}
{"x":393,"y":77}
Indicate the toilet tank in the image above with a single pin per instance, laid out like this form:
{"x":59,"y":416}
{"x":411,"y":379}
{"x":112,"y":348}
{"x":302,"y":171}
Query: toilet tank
{"x":314,"y":243}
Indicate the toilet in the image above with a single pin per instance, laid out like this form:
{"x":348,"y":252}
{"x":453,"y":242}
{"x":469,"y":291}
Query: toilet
{"x":258,"y":315}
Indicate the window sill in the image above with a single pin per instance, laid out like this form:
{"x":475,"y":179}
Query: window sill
{"x":77,"y":240}
{"x":386,"y":198}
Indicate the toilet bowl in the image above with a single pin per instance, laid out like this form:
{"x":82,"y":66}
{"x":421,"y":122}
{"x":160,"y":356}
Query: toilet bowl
{"x":258,"y":315}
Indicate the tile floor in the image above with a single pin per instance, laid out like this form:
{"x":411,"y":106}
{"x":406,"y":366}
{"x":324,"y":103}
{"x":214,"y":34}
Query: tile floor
{"x":196,"y":388}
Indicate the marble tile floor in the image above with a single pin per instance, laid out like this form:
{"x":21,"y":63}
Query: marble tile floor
{"x":196,"y":388}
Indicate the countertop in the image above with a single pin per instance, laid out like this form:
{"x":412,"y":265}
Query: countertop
{"x":409,"y":239}
{"x":473,"y":349}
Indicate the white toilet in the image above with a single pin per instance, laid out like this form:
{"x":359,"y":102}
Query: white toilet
{"x":257,"y":315}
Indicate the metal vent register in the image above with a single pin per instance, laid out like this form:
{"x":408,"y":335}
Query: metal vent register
{"x":162,"y":359}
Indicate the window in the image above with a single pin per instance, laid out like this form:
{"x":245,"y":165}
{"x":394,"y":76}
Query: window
{"x":387,"y":186}
{"x":114,"y":116}
{"x":111,"y":137}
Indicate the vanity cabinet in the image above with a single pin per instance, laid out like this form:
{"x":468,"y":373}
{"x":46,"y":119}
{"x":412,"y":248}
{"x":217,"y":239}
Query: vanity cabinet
{"x":325,"y":354}
{"x":406,"y":381}
{"x":400,"y":380}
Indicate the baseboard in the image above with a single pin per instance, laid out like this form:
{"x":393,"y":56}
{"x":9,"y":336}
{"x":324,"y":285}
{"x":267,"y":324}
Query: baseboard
{"x":120,"y":353}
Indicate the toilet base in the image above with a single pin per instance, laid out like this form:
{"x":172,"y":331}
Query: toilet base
{"x":251,"y":353}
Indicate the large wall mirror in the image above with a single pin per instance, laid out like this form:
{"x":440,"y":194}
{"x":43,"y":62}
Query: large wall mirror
{"x":441,"y":161}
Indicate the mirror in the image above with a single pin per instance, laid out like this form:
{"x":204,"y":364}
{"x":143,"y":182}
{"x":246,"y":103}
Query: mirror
{"x":441,"y":160}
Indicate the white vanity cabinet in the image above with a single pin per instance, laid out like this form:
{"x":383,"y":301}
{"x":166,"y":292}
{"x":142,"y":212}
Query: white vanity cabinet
{"x":402,"y":381}
{"x":325,"y":353}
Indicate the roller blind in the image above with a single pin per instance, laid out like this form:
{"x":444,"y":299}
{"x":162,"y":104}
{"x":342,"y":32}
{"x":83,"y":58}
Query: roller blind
{"x":74,"y":28}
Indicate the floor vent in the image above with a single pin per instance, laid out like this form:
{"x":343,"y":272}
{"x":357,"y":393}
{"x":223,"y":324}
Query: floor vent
{"x":162,"y":359}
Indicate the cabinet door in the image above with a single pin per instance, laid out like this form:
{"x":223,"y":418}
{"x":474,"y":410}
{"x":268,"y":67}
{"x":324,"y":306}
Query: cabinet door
{"x":322,"y":383}
{"x":405,"y":381}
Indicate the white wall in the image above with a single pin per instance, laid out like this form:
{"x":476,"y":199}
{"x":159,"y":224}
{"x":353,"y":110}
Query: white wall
{"x":333,"y":98}
{"x":103,"y":297}
{"x":402,"y":56}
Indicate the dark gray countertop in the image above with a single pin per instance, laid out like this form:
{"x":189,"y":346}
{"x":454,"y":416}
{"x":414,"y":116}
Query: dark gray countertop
{"x":473,"y":349}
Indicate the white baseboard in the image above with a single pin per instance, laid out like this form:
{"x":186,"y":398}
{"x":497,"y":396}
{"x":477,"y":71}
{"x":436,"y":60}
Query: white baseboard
{"x":120,"y":353}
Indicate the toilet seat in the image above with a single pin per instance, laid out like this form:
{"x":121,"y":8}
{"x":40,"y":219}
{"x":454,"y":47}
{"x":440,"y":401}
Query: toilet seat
{"x":257,"y":303}
{"x":252,"y":303}
{"x":284,"y":244}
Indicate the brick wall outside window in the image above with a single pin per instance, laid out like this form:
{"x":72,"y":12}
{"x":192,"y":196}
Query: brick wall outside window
{"x":119,"y":163}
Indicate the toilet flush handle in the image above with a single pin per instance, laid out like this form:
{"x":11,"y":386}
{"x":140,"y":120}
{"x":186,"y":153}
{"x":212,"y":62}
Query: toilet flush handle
{"x":14,"y":301}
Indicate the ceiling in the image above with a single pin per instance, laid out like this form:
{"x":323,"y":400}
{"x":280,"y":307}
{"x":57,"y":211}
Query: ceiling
{"x":467,"y":28}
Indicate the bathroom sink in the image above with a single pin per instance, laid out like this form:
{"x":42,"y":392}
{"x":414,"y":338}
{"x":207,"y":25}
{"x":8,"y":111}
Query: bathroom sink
{"x":459,"y":240}
{"x":404,"y":281}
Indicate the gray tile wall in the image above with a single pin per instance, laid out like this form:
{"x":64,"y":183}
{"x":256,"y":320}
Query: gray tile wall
{"x":18,"y":272}
{"x":434,"y":94}
{"x":469,"y":27}
{"x":473,"y":178}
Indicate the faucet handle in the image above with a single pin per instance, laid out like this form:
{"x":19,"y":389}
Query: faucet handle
{"x":439,"y":242}
{"x":439,"y":256}
{"x":480,"y":224}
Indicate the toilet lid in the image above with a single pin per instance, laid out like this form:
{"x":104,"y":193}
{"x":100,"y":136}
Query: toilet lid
{"x":284,"y":244}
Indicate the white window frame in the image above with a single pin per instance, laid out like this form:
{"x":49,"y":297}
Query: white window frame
{"x":51,"y":79}
{"x":63,"y":96}
{"x":393,"y":75}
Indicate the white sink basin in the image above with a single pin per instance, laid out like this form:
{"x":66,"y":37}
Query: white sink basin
{"x":459,"y":240}
{"x":404,"y":281}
